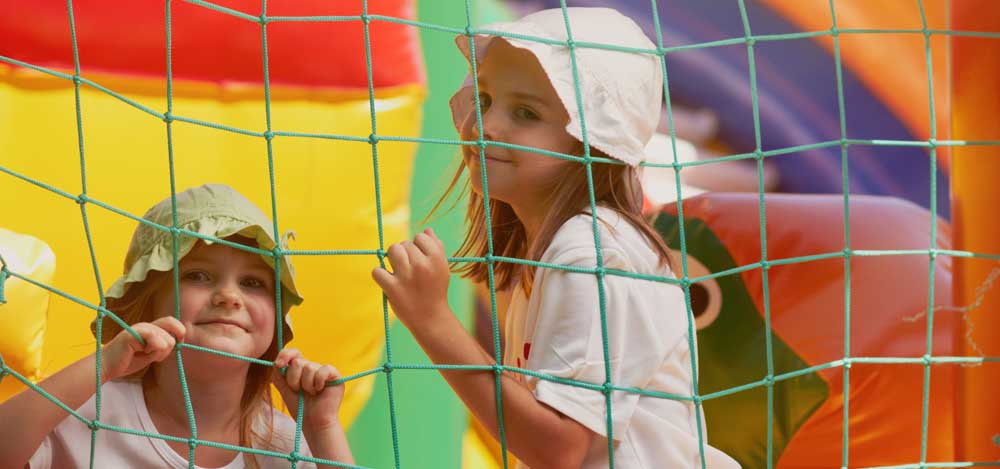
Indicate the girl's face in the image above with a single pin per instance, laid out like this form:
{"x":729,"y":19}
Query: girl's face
{"x":226,"y":299}
{"x":519,"y":106}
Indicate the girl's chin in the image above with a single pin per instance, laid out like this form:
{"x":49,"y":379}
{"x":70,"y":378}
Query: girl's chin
{"x":493,"y":196}
{"x":477,"y":188}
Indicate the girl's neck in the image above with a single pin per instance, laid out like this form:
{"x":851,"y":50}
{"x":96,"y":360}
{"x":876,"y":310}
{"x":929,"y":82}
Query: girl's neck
{"x":216,"y":397}
{"x":531,"y":219}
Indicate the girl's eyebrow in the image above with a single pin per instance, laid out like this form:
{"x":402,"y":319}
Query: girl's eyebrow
{"x":195,"y":257}
{"x":199,"y":259}
{"x":530,"y":98}
{"x":263,"y":270}
{"x":520,"y":95}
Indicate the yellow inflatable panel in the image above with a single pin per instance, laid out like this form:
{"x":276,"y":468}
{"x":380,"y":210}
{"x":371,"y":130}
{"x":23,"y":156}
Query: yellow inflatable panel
{"x":480,"y":450}
{"x":476,"y":454}
{"x":324,"y":190}
{"x":22,"y":318}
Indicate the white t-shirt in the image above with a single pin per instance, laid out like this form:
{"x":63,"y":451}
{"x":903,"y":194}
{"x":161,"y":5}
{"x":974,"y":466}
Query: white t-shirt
{"x":122,"y":404}
{"x":557,"y":331}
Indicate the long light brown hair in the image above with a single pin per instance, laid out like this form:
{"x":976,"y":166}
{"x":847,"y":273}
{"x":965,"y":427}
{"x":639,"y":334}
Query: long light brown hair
{"x":616,"y":186}
{"x":136,"y":305}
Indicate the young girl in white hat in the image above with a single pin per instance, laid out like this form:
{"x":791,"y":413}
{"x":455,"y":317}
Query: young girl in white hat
{"x":227,"y":303}
{"x":540,"y":210}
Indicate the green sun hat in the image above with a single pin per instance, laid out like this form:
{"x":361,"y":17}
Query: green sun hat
{"x":213,"y":210}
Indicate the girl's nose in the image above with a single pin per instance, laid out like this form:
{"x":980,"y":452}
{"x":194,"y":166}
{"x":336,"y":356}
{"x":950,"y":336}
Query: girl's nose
{"x":491,"y":125}
{"x":227,"y":297}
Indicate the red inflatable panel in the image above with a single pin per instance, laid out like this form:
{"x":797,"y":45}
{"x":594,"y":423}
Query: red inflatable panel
{"x":129,"y":38}
{"x":888,"y":305}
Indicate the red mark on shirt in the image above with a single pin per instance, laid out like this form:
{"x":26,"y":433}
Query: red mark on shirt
{"x":527,"y":350}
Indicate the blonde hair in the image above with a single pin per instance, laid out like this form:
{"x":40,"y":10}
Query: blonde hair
{"x":136,"y":305}
{"x":616,"y":186}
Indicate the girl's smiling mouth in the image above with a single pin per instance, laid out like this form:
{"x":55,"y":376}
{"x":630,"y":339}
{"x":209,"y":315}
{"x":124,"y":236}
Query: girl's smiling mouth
{"x":474,"y":157}
{"x":222,"y":322}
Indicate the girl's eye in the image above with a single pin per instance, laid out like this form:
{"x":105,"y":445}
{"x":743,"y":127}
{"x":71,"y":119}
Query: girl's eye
{"x":484,"y":101}
{"x":197,"y":276}
{"x":254,"y":283}
{"x":525,"y":113}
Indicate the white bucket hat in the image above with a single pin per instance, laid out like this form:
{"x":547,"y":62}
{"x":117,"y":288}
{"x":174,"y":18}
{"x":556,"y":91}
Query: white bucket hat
{"x":214,"y":210}
{"x":621,"y":91}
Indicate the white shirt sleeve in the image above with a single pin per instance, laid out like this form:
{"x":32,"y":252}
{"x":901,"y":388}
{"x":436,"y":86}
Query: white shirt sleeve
{"x":42,"y":459}
{"x":568,"y":340}
{"x":283,"y":438}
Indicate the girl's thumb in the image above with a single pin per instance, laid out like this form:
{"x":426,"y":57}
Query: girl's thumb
{"x":290,"y":397}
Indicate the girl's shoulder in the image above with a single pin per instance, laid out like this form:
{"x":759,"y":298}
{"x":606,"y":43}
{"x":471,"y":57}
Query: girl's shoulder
{"x":118,"y":396}
{"x":578,"y":231}
{"x":623,"y":246}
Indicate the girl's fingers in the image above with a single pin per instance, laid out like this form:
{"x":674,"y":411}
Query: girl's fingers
{"x":154,"y":341}
{"x":145,"y":330}
{"x":281,"y":384}
{"x":285,"y":356}
{"x":293,"y":375}
{"x":413,"y":253}
{"x":168,"y":344}
{"x":172,"y":326}
{"x":308,"y":381}
{"x":430,"y":232}
{"x":398,"y":258}
{"x":160,"y":338}
{"x":153,"y":336}
{"x":428,"y":246}
{"x":302,"y":375}
{"x":326,"y":373}
{"x":383,"y":278}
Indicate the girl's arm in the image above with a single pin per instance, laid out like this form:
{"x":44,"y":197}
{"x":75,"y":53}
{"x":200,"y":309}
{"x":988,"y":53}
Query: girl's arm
{"x":329,"y":443}
{"x":29,"y":417}
{"x":537,"y":434}
{"x":320,"y":422}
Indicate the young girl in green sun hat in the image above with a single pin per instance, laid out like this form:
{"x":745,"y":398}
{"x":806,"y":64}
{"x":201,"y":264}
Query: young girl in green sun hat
{"x":227,"y":303}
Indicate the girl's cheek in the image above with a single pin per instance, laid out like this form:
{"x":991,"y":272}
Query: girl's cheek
{"x":189,"y":304}
{"x":264,"y":313}
{"x":477,"y":183}
{"x":469,"y":127}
